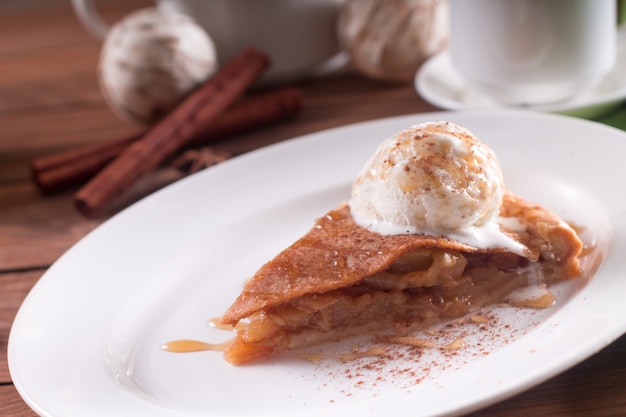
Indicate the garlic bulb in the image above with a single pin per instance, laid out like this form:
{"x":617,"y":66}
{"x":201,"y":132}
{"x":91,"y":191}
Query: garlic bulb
{"x":389,"y":39}
{"x":150,"y":60}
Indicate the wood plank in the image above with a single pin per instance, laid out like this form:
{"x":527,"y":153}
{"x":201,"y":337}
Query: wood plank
{"x":19,"y":68}
{"x":11,"y":404}
{"x":36,"y":230}
{"x":27,"y":135}
{"x":354,"y":99}
{"x":13,"y":289}
{"x":597,"y":388}
{"x":42,"y":24}
{"x":42,"y":98}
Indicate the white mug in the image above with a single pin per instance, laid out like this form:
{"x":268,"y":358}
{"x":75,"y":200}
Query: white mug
{"x":532,"y":51}
{"x":298,"y":35}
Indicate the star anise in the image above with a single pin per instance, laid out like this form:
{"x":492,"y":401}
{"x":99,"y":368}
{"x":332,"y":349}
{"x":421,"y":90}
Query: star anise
{"x":195,"y":160}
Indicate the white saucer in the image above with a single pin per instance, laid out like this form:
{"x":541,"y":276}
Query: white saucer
{"x":439,"y":84}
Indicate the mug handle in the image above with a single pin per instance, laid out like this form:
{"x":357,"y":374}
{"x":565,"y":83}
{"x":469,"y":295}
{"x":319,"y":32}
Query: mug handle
{"x":90,"y":18}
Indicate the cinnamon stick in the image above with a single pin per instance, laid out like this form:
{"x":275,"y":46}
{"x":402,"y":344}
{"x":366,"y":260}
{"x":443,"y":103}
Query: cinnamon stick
{"x":176,"y":130}
{"x":56,"y":172}
{"x":59,"y":171}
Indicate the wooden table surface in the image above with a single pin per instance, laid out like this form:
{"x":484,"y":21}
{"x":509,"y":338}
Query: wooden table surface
{"x":49,"y":101}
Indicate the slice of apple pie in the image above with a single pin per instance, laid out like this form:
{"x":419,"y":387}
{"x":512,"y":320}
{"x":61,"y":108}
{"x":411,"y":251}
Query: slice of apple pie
{"x":429,"y":234}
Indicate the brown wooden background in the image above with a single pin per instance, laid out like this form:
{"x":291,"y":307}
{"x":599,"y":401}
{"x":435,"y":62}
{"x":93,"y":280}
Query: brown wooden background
{"x":49,"y":101}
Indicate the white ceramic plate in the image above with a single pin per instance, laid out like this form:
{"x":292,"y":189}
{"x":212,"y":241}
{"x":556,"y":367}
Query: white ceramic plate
{"x":86,"y":341}
{"x":441,"y":85}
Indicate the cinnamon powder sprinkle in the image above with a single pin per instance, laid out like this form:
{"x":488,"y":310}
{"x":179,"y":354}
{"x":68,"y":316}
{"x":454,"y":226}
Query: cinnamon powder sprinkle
{"x":405,"y":361}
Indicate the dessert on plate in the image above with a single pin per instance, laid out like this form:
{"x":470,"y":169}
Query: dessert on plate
{"x":430,"y":233}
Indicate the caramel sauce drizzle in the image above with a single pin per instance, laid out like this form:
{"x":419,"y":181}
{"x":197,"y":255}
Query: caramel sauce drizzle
{"x":189,"y":345}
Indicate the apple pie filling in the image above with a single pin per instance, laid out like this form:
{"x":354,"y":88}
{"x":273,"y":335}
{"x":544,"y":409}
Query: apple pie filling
{"x":418,"y":285}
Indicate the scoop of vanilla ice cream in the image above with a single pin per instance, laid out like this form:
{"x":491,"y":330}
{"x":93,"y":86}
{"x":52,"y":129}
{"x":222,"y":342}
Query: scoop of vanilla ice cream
{"x":432,"y":178}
